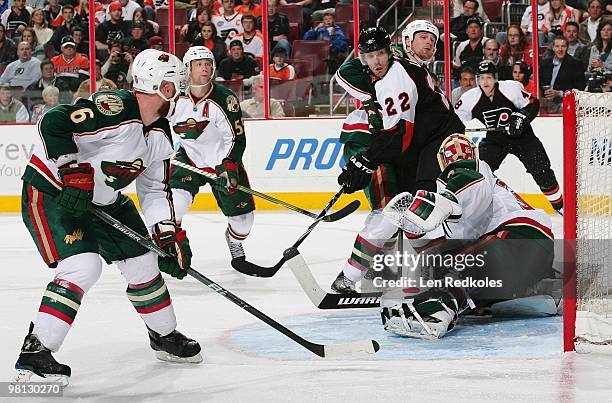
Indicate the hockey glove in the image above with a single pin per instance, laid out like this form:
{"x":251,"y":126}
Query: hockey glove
{"x":227,"y":172}
{"x":173,"y":240}
{"x":375,"y":119}
{"x":77,"y":193}
{"x":517,"y":123}
{"x":356,"y":174}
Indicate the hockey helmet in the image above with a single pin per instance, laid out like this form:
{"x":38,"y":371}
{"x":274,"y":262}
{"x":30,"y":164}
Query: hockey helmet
{"x":486,"y":67}
{"x":151,"y":67}
{"x":373,"y":38}
{"x":419,"y":26}
{"x":199,"y":53}
{"x":456,"y":147}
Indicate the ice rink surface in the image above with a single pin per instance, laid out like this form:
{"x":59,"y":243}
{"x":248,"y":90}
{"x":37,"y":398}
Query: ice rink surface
{"x":246,"y":361}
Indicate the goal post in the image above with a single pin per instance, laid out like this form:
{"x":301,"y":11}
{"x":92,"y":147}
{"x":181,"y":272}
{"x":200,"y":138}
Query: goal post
{"x":587,"y":143}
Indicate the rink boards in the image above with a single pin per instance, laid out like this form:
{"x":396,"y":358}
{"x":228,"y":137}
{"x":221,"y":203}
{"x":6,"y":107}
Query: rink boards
{"x":297,"y":160}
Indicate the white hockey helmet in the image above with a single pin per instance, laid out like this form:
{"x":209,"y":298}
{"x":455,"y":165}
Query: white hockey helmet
{"x":151,"y":67}
{"x":456,"y":147}
{"x":199,"y":53}
{"x":419,"y":26}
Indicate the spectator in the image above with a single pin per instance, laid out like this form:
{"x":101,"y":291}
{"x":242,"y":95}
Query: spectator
{"x":118,"y":67}
{"x":156,"y":42}
{"x":559,"y":74}
{"x":213,"y":6}
{"x":69,"y":65}
{"x":328,"y":30}
{"x":48,"y":79}
{"x":249,"y":7}
{"x":28,"y":35}
{"x":470,"y":52}
{"x":65,"y":29}
{"x":16,"y":18}
{"x":322,"y":7}
{"x":251,"y":38}
{"x":151,"y":28}
{"x":522,"y":73}
{"x":515,"y":49}
{"x":526,"y":21}
{"x":193,"y":29}
{"x":11,"y":110}
{"x":8,"y":50}
{"x":600,"y":51}
{"x":79,"y":35}
{"x":23,"y":71}
{"x":467,"y":81}
{"x":278,"y":28}
{"x":112,"y":30}
{"x":208,"y":37}
{"x":127,"y":9}
{"x":237,"y":66}
{"x":459,"y":23}
{"x":102,"y":84}
{"x":136,"y":43}
{"x":491,"y":52}
{"x":576,"y":49}
{"x":81,"y":12}
{"x":229,"y":23}
{"x":588,"y":27}
{"x":254,"y":107}
{"x":557,"y":18}
{"x":40,"y":26}
{"x":279,"y":70}
{"x":53,"y":14}
{"x":50,"y":97}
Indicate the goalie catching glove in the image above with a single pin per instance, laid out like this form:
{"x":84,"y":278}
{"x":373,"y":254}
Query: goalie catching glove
{"x":173,"y":240}
{"x":356,"y":174}
{"x":227,"y":172}
{"x":424,"y":212}
{"x":77,"y":193}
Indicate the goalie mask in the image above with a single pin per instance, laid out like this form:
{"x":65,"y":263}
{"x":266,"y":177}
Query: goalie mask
{"x":412,"y":29}
{"x":198,"y":53}
{"x":456,"y":147}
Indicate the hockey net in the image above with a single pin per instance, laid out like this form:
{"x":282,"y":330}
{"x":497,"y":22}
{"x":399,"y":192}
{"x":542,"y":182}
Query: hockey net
{"x":587,"y":120}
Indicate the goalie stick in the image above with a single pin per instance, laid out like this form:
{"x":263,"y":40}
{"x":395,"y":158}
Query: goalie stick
{"x":322,"y":350}
{"x":320,"y":298}
{"x":338,"y":215}
{"x":252,"y":269}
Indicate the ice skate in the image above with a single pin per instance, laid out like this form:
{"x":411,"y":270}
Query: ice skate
{"x":175,"y":347}
{"x":343,"y":285}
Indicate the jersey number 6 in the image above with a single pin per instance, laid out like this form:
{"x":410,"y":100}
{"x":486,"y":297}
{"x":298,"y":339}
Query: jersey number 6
{"x":404,"y":104}
{"x":81,"y":115}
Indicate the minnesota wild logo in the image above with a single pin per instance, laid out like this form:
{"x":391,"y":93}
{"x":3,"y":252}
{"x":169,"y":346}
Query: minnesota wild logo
{"x":190,"y":129}
{"x":109,"y":104}
{"x":119,"y":174}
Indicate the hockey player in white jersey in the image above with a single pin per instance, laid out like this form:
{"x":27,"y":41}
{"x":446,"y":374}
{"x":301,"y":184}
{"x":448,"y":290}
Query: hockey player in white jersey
{"x":504,"y":104}
{"x":90,"y":152}
{"x":514,"y":242}
{"x":208,"y":124}
{"x":390,"y":147}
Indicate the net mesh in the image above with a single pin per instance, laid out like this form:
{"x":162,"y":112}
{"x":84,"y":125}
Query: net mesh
{"x":594,"y":217}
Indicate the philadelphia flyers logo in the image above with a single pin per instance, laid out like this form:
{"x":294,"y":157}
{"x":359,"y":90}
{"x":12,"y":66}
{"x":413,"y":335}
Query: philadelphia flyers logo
{"x":497,"y":117}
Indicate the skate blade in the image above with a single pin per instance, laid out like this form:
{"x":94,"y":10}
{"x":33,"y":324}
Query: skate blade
{"x":27,"y":376}
{"x":164,"y":356}
{"x":400,"y":330}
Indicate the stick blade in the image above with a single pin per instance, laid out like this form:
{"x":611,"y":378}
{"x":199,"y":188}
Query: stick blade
{"x":351,"y":348}
{"x":343,"y":212}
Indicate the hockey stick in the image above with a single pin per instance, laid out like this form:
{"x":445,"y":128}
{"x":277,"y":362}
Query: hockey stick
{"x":322,"y":350}
{"x":252,"y":269}
{"x":343,"y":212}
{"x":486,"y":129}
{"x":320,"y":298}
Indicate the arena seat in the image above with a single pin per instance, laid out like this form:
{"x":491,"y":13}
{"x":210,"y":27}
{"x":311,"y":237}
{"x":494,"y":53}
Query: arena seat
{"x":316,"y":51}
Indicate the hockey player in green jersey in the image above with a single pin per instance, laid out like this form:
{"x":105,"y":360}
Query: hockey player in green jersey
{"x":90,"y":151}
{"x":208,"y":125}
{"x":394,"y":148}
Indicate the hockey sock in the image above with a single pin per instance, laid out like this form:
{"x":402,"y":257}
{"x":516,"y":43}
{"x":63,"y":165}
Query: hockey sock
{"x":182,"y":200}
{"x":239,"y":227}
{"x":152,"y":301}
{"x":57,"y":311}
{"x":361,"y":258}
{"x":554,"y":196}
